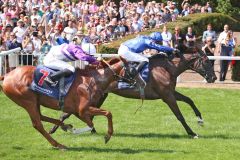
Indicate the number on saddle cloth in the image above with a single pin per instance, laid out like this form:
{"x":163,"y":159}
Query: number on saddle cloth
{"x":41,"y":86}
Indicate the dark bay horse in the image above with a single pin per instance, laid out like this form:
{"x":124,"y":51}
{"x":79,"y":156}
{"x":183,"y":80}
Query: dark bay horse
{"x":86,"y":90}
{"x":162,"y":83}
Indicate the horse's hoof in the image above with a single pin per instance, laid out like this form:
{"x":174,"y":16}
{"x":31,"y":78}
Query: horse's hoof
{"x":200,"y":122}
{"x":61,"y":147}
{"x":195,"y":136}
{"x":107,"y":138}
{"x":67,"y":127}
{"x":93,"y":131}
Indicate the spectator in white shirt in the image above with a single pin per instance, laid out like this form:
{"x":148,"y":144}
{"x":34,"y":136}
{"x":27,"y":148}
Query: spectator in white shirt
{"x":122,"y":10}
{"x":185,"y":10}
{"x":101,"y":26}
{"x":54,"y":35}
{"x":226,"y":45}
{"x":167,"y":37}
{"x":136,"y":26}
{"x":208,"y":7}
{"x":70,"y":30}
{"x":35,"y":16}
{"x":37,"y":43}
{"x":140,"y":8}
{"x":19,"y":31}
{"x":223,"y":35}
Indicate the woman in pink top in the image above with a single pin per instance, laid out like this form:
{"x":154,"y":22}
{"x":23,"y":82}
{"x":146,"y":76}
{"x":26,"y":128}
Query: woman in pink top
{"x":93,"y":8}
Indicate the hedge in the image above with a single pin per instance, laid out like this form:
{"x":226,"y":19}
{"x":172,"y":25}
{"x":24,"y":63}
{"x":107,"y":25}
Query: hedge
{"x":197,"y":21}
{"x":236,"y":67}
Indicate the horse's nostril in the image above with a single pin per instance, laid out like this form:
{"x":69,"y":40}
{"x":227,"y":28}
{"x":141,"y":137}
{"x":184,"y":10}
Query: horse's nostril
{"x":214,"y":78}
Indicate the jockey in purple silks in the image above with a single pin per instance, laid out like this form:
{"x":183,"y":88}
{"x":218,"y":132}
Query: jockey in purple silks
{"x":59,"y":57}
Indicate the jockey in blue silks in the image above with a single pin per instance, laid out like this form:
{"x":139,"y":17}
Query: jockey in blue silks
{"x":132,"y":49}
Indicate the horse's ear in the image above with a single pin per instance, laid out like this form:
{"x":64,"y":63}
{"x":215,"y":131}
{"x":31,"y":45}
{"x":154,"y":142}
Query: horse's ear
{"x":123,"y":59}
{"x":102,"y":64}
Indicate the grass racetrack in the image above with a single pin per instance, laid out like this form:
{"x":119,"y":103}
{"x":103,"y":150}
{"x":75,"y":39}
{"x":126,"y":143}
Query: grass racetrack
{"x":153,"y":133}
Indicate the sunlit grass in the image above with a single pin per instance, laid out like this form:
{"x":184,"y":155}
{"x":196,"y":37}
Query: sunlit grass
{"x":152,"y":133}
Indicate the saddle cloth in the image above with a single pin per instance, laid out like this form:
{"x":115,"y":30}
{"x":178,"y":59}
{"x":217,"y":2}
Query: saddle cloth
{"x":41,"y":86}
{"x":144,"y":73}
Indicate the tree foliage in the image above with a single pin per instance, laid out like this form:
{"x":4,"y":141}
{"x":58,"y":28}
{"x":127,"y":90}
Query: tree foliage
{"x":229,"y":7}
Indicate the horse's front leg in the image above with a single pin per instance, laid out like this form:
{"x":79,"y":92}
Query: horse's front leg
{"x":171,"y":101}
{"x":93,"y":111}
{"x":108,"y":115}
{"x":183,"y":98}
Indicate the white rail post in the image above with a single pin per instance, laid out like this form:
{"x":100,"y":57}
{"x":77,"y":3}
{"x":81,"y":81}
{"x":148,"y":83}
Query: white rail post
{"x":2,"y":57}
{"x":179,"y":79}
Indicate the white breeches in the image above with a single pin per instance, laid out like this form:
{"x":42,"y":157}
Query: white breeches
{"x":51,"y":61}
{"x":124,"y":52}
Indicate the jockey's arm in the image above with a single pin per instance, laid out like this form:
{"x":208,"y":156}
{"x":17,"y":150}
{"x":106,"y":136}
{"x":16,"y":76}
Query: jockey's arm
{"x":160,"y":48}
{"x":81,"y":55}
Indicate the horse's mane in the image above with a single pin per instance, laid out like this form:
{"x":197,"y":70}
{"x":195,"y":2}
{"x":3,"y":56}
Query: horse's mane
{"x":162,"y":60}
{"x":192,"y":50}
{"x":157,"y":56}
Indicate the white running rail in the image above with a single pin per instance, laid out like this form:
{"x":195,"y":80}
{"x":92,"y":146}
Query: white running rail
{"x":81,"y":64}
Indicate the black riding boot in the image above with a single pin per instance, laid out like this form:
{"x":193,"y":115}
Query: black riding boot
{"x":52,"y":79}
{"x":134,"y":72}
{"x":62,"y":73}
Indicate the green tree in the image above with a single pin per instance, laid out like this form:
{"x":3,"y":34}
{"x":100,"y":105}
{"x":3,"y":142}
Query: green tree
{"x":229,"y":7}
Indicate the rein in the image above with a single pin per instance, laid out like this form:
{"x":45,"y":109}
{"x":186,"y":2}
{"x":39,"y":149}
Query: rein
{"x":200,"y":61}
{"x":114,"y":73}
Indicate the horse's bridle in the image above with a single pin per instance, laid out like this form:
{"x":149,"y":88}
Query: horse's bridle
{"x":201,"y":58}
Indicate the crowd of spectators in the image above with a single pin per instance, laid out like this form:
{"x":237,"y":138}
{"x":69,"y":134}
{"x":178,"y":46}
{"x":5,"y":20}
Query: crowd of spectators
{"x":36,"y":25}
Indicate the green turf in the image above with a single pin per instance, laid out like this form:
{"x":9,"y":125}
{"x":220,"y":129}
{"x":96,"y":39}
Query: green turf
{"x":153,"y":133}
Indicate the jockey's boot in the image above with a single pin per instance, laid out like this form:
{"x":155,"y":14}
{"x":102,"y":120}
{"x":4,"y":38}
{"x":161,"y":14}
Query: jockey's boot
{"x":50,"y":81}
{"x":62,"y":73}
{"x":133,"y":72}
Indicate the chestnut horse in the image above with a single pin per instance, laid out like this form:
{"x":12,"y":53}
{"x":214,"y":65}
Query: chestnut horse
{"x":88,"y":87}
{"x":162,"y":83}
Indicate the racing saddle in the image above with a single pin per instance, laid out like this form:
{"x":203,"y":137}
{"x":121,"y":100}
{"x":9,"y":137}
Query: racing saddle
{"x":52,"y":83}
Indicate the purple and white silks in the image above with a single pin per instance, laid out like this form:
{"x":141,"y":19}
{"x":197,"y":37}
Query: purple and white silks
{"x":75,"y":52}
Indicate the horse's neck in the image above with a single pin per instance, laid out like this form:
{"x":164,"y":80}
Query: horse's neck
{"x":102,"y":77}
{"x":182,"y":64}
{"x":105,"y":77}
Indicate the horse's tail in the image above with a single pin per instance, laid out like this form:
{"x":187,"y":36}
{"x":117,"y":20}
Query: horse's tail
{"x":1,"y":79}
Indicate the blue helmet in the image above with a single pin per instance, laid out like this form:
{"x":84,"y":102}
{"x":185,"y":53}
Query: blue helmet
{"x":156,"y":36}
